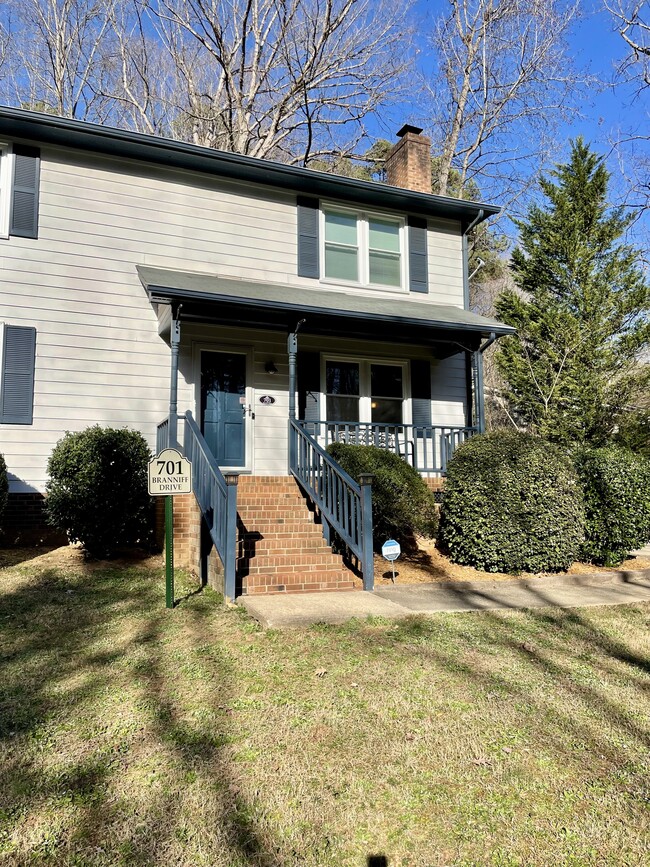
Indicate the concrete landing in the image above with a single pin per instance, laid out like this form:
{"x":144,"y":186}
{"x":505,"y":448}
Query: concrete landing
{"x":561,"y":591}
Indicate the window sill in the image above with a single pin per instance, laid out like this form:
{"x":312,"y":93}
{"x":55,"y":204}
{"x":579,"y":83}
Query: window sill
{"x":351,"y":284}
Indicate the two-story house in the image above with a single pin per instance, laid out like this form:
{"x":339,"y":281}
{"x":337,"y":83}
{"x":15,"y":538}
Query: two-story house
{"x":262,"y":310}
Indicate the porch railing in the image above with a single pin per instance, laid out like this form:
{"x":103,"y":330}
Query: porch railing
{"x":345,"y":505}
{"x":428,"y":448}
{"x":215,"y":494}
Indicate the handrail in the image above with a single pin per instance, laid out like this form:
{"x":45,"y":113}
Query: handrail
{"x":345,"y":506}
{"x":217,"y":499}
{"x":428,"y":448}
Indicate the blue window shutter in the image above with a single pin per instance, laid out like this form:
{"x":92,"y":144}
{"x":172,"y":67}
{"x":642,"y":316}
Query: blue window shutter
{"x":421,"y":391}
{"x":17,"y":385}
{"x":418,"y":259}
{"x":24,"y":192}
{"x":308,"y":242}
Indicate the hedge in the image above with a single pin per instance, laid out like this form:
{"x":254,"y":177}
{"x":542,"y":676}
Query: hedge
{"x":512,"y":503}
{"x":402,"y":504}
{"x":97,"y":489}
{"x":616,"y":486}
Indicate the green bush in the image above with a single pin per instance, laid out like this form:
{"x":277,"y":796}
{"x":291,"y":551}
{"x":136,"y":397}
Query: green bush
{"x":512,"y":503}
{"x":616,"y":486}
{"x":97,"y":489}
{"x":402,"y":504}
{"x":4,"y":487}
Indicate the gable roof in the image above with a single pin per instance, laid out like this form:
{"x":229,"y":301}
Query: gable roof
{"x":48,"y":129}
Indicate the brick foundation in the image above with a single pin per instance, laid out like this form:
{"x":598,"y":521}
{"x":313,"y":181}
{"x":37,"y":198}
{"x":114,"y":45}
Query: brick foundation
{"x":24,"y":523}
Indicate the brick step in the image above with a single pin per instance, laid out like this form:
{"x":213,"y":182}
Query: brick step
{"x":273,"y":513}
{"x":246,"y":481}
{"x":275,"y":500}
{"x":294,"y":562}
{"x":316,"y":580}
{"x":289,"y":523}
{"x":301,"y":588}
{"x":287,"y":545}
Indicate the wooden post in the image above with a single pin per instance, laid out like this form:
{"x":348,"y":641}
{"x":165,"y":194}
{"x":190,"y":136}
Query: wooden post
{"x":367,"y":561}
{"x":230,"y":565}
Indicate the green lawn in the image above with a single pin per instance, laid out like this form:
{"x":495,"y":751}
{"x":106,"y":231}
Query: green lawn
{"x":134,"y":735}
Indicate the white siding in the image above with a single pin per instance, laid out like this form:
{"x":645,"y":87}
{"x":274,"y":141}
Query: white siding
{"x":99,"y":358}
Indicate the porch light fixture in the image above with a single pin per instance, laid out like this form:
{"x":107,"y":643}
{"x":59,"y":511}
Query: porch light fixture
{"x":270,"y":368}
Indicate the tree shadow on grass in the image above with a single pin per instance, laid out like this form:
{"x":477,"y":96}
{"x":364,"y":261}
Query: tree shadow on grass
{"x":98,"y":743}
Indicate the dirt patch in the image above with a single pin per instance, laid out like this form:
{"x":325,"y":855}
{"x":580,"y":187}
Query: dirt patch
{"x":427,"y":565}
{"x":72,"y":557}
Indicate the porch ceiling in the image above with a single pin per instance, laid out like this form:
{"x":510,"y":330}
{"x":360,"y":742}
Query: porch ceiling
{"x":238,"y":302}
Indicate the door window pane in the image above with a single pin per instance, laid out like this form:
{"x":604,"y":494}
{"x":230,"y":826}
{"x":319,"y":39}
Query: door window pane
{"x":386,"y":411}
{"x":342,"y":377}
{"x":342,"y":408}
{"x":386,"y":380}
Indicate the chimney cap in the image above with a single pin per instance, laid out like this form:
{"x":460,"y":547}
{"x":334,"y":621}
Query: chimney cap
{"x":408,"y":128}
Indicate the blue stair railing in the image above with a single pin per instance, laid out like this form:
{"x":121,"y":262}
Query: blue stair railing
{"x":344,"y":505}
{"x":215,"y":493}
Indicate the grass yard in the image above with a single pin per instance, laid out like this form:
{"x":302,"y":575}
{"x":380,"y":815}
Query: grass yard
{"x":133,"y":735}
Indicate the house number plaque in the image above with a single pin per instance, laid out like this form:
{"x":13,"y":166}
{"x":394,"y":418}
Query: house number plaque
{"x":267,"y":399}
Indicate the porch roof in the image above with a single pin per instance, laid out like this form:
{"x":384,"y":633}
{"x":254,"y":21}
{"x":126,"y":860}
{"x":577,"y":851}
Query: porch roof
{"x":230,"y":301}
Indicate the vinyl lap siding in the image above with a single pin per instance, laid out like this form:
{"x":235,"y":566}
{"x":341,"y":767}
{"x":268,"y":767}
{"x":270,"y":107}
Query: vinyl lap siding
{"x":99,"y":358}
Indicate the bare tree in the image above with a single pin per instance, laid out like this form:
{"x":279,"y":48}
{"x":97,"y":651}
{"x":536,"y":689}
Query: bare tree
{"x":262,"y":77}
{"x":58,"y":51}
{"x":504,"y":79}
{"x":632,"y":19}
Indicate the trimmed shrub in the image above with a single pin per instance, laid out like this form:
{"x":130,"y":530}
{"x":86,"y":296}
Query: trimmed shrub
{"x":616,"y":488}
{"x":97,"y":490}
{"x":512,"y":503}
{"x":4,"y":487}
{"x":402,"y":504}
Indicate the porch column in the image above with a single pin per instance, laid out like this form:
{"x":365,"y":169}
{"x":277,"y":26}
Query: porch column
{"x":292,"y":349}
{"x":175,"y":338}
{"x":480,"y":397}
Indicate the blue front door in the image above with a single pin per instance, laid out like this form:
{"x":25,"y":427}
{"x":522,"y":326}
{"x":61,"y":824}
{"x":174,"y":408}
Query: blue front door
{"x":223,"y":406}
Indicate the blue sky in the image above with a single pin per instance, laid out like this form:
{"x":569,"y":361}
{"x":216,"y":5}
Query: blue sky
{"x":606,"y":110}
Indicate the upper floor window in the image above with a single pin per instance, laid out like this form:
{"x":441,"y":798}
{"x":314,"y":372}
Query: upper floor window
{"x":5,"y":188}
{"x":363,"y":248}
{"x":355,"y":246}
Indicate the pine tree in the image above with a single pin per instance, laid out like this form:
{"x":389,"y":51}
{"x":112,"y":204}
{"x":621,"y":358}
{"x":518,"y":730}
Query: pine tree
{"x":581,"y":310}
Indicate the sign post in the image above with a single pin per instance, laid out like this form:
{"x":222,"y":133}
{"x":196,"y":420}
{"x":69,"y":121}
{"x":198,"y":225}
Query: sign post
{"x":390,"y":551}
{"x":169,"y":474}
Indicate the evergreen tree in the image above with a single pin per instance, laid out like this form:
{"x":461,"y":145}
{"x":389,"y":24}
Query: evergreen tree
{"x":579,"y":359}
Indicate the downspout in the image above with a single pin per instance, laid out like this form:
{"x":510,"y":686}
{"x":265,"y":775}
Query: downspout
{"x":472,"y":417}
{"x":292,"y":349}
{"x":175,"y":340}
{"x":477,"y":219}
{"x":480,"y":397}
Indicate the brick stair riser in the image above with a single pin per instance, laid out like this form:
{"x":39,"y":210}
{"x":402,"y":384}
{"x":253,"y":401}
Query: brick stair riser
{"x":280,"y":547}
{"x":294,"y":562}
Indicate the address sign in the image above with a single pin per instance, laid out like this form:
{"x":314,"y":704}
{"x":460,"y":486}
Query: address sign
{"x":169,"y":473}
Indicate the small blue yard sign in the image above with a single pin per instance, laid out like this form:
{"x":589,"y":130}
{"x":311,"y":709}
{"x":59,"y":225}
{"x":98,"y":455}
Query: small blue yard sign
{"x":390,"y":551}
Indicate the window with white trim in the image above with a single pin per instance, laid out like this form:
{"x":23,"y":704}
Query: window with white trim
{"x":365,"y":390}
{"x":361,"y":247}
{"x":5,"y":188}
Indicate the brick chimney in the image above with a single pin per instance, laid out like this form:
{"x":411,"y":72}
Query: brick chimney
{"x":408,"y":164}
